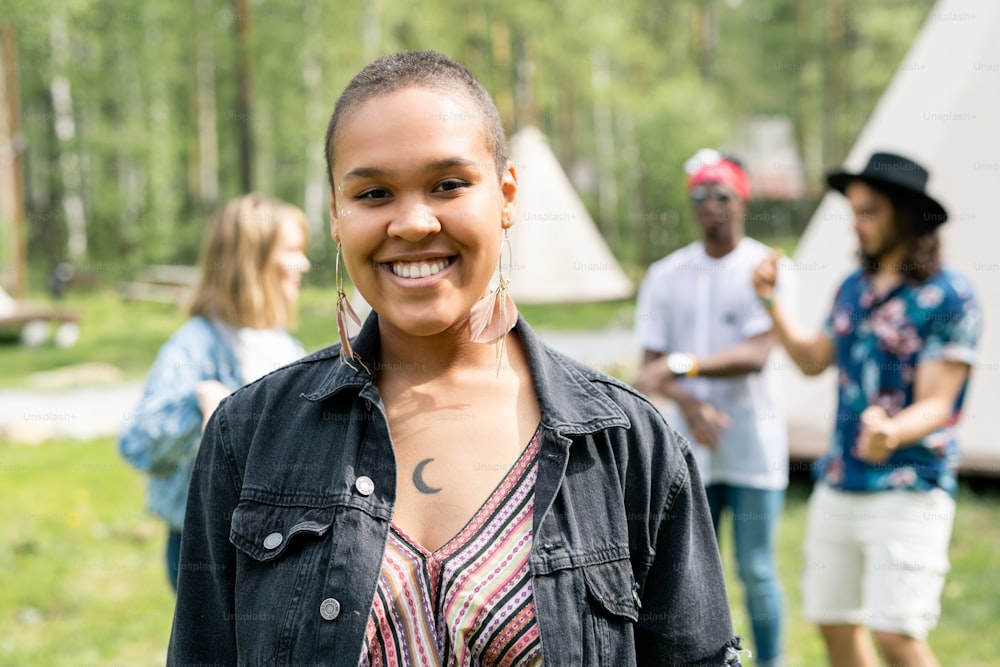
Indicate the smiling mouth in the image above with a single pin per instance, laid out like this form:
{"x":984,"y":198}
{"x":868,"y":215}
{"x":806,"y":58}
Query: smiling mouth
{"x":419,"y":269}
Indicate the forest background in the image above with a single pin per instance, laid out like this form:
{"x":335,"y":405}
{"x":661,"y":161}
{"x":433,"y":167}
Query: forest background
{"x":137,"y":120}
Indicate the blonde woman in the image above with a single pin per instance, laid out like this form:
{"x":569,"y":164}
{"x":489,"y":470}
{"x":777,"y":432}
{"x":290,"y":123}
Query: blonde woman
{"x":252,"y":263}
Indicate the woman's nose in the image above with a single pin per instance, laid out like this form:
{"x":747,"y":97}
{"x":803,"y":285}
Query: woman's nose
{"x":414,"y":221}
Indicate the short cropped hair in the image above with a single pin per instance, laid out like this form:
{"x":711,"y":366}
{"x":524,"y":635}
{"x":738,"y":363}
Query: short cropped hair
{"x":418,"y":69}
{"x":239,"y":282}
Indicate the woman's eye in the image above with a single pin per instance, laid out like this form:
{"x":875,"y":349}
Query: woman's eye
{"x":451,"y":185}
{"x":372,"y":194}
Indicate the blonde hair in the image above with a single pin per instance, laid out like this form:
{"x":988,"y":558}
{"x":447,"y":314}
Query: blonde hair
{"x":238,"y":282}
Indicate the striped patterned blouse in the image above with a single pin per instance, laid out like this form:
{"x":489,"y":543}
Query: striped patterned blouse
{"x":471,"y":601}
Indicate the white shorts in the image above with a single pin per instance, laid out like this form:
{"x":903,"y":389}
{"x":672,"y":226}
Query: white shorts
{"x":877,"y":559}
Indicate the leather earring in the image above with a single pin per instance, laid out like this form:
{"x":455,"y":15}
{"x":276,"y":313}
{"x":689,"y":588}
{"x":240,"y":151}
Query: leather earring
{"x":495,"y":314}
{"x":344,"y":310}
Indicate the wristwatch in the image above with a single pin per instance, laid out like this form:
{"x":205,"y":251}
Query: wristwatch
{"x":682,"y":364}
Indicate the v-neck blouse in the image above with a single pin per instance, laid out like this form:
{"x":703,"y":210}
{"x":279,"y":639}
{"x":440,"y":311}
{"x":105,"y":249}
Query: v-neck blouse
{"x":470,"y":602}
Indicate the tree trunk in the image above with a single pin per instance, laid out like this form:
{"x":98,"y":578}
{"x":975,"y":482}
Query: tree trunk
{"x":809,"y":116}
{"x":503,"y":93}
{"x":244,"y":107}
{"x":371,"y":30}
{"x":208,"y":136}
{"x":834,"y":149}
{"x":625,"y":126}
{"x":703,"y":35}
{"x":312,"y":75}
{"x":65,"y":130}
{"x":607,"y":184}
{"x":11,"y":164}
{"x":158,"y":235}
{"x":131,"y":175}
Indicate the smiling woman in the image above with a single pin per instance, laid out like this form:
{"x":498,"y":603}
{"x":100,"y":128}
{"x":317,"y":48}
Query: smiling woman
{"x":419,"y":212}
{"x":443,"y":488}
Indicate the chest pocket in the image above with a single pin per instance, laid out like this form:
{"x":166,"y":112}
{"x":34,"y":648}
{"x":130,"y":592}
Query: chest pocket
{"x":283,"y":552}
{"x":269,"y":532}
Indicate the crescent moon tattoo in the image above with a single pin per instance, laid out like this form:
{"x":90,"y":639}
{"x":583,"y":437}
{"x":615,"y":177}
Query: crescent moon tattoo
{"x":418,"y":478}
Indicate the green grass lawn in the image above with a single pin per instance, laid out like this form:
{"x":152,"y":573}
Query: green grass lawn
{"x":82,"y":578}
{"x":966,"y":635}
{"x":81,"y":569}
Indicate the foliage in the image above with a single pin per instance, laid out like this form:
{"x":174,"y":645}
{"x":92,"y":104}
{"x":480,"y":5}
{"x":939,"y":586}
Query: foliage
{"x":626,"y":91}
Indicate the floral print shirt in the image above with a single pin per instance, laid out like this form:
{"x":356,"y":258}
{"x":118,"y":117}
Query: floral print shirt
{"x":879,"y":341}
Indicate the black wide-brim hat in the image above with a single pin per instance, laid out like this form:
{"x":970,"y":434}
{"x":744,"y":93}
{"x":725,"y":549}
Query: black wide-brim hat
{"x":898,"y":174}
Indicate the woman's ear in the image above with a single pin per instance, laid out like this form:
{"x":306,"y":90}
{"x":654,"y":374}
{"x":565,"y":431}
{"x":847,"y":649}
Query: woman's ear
{"x":508,"y":189}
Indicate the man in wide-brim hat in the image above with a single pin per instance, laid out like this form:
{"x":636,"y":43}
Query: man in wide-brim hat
{"x":902,"y":333}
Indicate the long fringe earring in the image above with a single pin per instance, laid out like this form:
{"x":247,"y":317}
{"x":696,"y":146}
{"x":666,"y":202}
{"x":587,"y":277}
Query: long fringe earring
{"x":495,"y":314}
{"x":344,"y":308}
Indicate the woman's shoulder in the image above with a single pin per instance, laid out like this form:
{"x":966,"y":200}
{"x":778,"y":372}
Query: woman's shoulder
{"x":292,"y":394}
{"x":301,"y":376}
{"x":194,"y":341}
{"x":196,"y":330}
{"x":599,"y":411}
{"x":636,"y":410}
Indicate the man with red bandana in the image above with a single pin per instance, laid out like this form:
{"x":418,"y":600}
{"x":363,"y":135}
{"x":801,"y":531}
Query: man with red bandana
{"x":706,"y":339}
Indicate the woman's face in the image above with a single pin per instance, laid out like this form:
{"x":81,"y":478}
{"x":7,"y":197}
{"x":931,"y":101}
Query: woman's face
{"x":290,"y":258}
{"x":418,"y":207}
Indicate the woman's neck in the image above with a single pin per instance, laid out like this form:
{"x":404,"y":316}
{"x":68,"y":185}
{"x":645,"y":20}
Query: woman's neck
{"x":447,"y":355}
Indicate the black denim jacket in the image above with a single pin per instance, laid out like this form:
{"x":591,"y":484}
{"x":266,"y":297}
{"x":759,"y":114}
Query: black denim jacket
{"x":293,"y":492}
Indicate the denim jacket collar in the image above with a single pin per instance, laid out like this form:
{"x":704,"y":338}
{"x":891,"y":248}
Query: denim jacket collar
{"x":566,"y":396}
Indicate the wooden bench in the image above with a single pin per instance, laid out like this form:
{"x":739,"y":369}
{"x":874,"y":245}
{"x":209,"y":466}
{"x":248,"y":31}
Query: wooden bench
{"x":32,"y":323}
{"x":161,"y":283}
{"x":28,"y":313}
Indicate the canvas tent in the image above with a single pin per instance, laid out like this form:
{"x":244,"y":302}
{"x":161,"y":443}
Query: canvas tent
{"x":558,"y":254}
{"x":941,"y":108}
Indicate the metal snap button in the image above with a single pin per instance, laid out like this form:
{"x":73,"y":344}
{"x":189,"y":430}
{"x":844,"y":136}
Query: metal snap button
{"x":364,"y":485}
{"x":273,"y":541}
{"x":329,"y":609}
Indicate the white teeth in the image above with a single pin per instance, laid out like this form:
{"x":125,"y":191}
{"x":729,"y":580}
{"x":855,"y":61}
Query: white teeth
{"x":418,"y":269}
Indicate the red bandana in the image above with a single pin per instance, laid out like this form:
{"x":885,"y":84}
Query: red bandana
{"x":724,"y":172}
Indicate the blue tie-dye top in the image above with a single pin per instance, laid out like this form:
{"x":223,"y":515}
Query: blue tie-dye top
{"x":878,"y":343}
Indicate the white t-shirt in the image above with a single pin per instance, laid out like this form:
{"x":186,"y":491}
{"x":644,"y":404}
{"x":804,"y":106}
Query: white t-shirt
{"x":261,"y":351}
{"x":691,"y":302}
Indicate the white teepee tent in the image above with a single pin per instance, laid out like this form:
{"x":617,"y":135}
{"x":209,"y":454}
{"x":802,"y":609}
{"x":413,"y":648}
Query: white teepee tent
{"x":942,"y":108}
{"x":558,"y":255}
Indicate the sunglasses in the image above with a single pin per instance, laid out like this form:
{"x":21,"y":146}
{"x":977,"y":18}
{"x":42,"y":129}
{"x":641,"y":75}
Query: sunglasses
{"x":701,"y":194}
